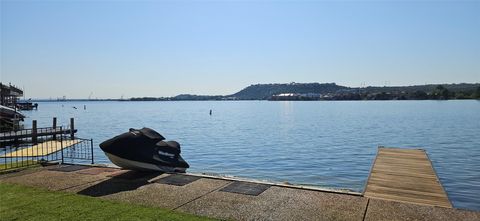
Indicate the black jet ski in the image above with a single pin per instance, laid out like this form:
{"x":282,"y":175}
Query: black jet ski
{"x":144,"y":150}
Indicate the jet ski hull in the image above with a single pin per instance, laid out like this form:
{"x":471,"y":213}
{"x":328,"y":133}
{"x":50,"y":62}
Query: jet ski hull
{"x":142,"y":166}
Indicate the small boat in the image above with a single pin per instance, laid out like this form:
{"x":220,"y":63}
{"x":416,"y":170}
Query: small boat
{"x":144,"y":150}
{"x":27,"y":105}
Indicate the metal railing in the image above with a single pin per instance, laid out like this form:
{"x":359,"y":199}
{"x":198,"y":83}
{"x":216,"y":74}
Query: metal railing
{"x":29,"y":147}
{"x":78,"y":152}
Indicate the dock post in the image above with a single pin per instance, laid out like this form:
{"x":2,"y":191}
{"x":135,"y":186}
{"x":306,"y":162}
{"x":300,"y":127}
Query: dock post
{"x":61,"y":144}
{"x":34,"y":132}
{"x":72,"y":128}
{"x":91,"y":149}
{"x":54,"y":128}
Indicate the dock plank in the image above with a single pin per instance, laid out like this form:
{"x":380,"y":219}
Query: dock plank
{"x":42,"y":149}
{"x":405,"y":175}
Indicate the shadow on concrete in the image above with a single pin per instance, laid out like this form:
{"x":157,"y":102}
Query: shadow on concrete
{"x":130,"y":180}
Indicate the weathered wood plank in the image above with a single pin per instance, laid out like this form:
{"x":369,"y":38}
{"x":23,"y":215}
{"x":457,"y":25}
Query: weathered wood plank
{"x":405,"y":175}
{"x":408,"y":200}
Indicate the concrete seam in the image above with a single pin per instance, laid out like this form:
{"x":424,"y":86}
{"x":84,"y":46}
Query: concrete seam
{"x":366,"y":208}
{"x":196,"y":198}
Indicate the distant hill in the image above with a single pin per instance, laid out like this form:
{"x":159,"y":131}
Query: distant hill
{"x":265,"y":91}
{"x":332,"y":91}
{"x":187,"y":97}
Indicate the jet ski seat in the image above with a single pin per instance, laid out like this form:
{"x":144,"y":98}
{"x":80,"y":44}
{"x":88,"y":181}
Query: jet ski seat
{"x":169,"y":146}
{"x":148,"y":133}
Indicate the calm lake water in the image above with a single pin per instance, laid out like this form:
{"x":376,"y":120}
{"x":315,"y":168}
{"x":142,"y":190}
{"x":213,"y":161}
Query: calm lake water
{"x":326,"y":143}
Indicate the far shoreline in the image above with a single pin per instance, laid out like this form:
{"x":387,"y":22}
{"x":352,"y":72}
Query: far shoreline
{"x":117,"y":100}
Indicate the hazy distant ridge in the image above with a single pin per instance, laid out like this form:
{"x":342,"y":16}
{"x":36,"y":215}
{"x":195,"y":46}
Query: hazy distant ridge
{"x":338,"y":92}
{"x":265,"y":91}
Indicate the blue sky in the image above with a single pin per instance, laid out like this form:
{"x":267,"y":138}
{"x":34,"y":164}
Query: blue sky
{"x":159,"y":48}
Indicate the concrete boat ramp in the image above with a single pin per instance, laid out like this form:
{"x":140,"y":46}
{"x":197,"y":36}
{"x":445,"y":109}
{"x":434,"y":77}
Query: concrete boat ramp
{"x":232,"y":199}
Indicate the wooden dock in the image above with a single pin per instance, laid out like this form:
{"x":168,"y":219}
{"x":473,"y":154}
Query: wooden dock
{"x":29,"y":133}
{"x":42,"y":149}
{"x":405,"y":175}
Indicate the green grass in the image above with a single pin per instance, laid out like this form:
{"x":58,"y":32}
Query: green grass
{"x":27,"y":203}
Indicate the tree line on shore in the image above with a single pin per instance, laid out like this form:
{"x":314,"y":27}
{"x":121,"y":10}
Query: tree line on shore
{"x":439,"y":93}
{"x":332,"y":91}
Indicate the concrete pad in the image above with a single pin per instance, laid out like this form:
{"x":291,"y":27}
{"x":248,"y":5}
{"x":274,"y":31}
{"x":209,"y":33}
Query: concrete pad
{"x":70,"y":168}
{"x":178,"y":179}
{"x":21,"y":171}
{"x":246,"y":188}
{"x":168,"y":196}
{"x":389,"y":210}
{"x":111,"y":185}
{"x":134,"y":175}
{"x":203,"y":197}
{"x":52,"y":180}
{"x":125,"y":181}
{"x":98,"y":170}
{"x":279,"y":203}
